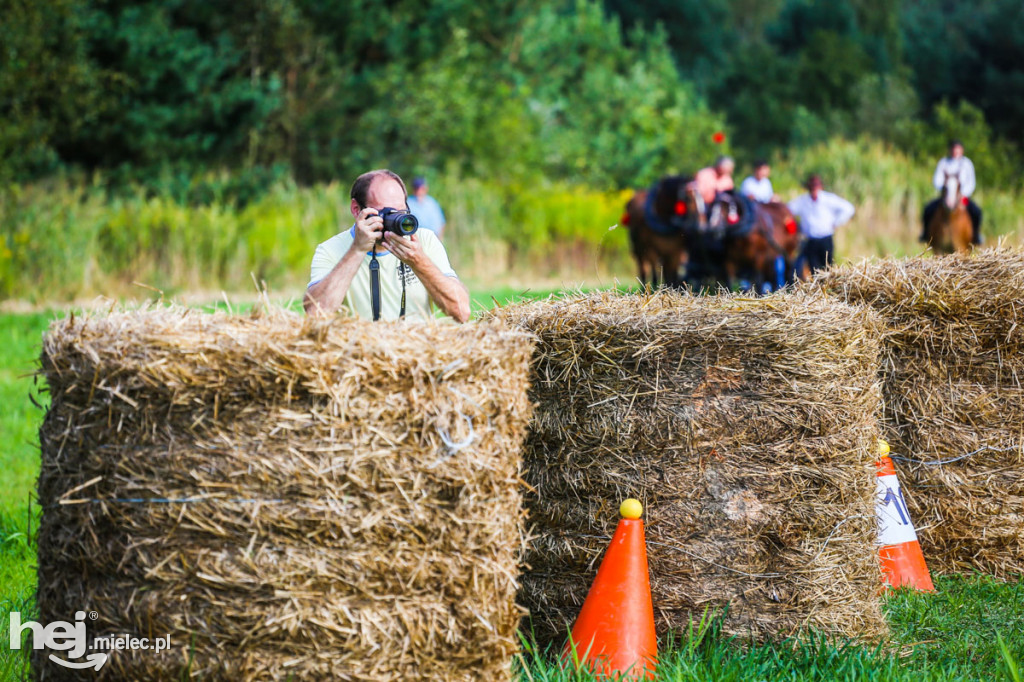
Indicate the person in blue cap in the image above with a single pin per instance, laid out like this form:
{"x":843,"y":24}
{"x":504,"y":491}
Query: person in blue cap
{"x":425,"y":207}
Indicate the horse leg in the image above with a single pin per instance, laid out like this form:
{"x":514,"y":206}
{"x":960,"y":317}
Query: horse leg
{"x":641,"y":265}
{"x":670,"y":274}
{"x":762,"y":285}
{"x":729,"y":270}
{"x":674,"y":262}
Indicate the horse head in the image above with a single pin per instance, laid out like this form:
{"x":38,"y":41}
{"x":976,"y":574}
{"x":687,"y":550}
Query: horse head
{"x":678,"y":203}
{"x":951,"y":191}
{"x":727,"y":211}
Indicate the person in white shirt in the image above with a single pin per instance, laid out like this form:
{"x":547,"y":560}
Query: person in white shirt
{"x":413,"y":271}
{"x":758,"y":187}
{"x":958,"y":166}
{"x":820,"y":213}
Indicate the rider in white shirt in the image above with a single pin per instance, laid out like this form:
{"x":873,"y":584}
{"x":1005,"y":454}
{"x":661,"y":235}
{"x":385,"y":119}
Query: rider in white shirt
{"x":958,"y":166}
{"x":758,"y":187}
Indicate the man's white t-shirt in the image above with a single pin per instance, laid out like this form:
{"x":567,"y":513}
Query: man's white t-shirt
{"x":417,"y":301}
{"x":820,"y":218}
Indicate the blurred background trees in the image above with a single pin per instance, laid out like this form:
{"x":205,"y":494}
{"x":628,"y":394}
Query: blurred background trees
{"x":609,"y":94}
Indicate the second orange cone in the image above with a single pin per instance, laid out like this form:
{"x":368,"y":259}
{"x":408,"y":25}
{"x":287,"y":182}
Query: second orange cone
{"x":899,"y":551}
{"x":614,"y":632}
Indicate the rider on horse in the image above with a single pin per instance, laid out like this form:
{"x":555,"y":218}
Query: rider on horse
{"x":958,"y":166}
{"x":714,"y":179}
{"x":758,"y":187}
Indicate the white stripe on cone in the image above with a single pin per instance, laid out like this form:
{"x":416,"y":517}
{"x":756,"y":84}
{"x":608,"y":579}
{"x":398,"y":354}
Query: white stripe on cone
{"x":894,"y":524}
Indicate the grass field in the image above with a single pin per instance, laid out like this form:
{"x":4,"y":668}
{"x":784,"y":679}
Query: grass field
{"x":973,"y":629}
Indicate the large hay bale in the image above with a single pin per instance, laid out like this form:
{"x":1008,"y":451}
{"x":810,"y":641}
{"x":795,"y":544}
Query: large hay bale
{"x":285,"y":497}
{"x":748,"y":429}
{"x":954,"y":404}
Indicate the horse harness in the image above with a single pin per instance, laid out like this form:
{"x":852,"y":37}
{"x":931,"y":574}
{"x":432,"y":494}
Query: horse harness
{"x":768,"y":232}
{"x":678,"y":221}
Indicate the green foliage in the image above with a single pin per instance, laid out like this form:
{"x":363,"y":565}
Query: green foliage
{"x":609,"y":115}
{"x":973,"y":52}
{"x":454,"y":112}
{"x":64,"y":240}
{"x":535,"y":90}
{"x":181,"y":93}
{"x":161,"y":92}
{"x":48,"y":89}
{"x":699,"y":32}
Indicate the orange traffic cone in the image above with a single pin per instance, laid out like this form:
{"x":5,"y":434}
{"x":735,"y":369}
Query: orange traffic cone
{"x":899,"y":552}
{"x":614,"y":632}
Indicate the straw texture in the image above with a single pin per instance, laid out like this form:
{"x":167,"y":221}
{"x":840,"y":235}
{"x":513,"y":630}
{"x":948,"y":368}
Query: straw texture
{"x":954,"y":404}
{"x":746,"y":427}
{"x":285,"y":496}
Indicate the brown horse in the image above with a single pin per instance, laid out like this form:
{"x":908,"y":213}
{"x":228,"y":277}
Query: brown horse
{"x":769,"y":251}
{"x":949,"y":229}
{"x":658,"y":220}
{"x":766,"y":252}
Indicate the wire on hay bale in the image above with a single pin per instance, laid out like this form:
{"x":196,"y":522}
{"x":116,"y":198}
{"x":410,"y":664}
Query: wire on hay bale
{"x":953,"y":361}
{"x":748,"y":430}
{"x":284,"y":496}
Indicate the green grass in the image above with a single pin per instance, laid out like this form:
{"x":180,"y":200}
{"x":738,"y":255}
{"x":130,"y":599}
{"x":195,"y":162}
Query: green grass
{"x":973,"y":629}
{"x":20,"y":337}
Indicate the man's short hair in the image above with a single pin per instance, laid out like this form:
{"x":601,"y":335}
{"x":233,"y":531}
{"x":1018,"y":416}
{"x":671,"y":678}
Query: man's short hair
{"x":955,"y":143}
{"x":361,"y":187}
{"x":814,"y":180}
{"x":760,"y":163}
{"x":722,"y":160}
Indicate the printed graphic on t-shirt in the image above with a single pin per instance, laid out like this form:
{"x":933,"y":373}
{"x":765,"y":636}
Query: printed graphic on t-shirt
{"x":406,"y":272}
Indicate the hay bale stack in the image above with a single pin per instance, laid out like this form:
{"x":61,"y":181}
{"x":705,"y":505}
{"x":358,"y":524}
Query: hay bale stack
{"x":952,"y":372}
{"x":748,"y":429}
{"x":286,"y":498}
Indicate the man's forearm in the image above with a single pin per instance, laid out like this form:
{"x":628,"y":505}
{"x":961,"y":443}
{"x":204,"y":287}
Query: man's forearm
{"x":447,"y":293}
{"x":327,"y":295}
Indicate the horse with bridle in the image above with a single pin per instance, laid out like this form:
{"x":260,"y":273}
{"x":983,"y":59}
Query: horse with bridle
{"x":949,"y":229}
{"x":761,"y":242}
{"x":659,"y":220}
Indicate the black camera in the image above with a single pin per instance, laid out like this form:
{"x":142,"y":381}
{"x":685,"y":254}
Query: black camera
{"x":400,"y":222}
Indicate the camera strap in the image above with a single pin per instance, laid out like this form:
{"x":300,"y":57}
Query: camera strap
{"x":401,"y":274}
{"x":375,"y":285}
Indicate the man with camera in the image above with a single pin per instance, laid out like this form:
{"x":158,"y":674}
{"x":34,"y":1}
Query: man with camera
{"x":382,"y":267}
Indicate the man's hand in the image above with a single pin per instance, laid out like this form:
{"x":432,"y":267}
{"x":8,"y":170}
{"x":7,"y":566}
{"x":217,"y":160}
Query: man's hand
{"x":369,"y":230}
{"x":409,"y":251}
{"x":446,"y":292}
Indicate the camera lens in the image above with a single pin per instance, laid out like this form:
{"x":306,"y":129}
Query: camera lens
{"x":407,"y":224}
